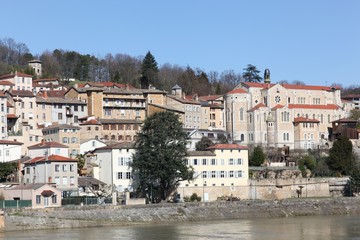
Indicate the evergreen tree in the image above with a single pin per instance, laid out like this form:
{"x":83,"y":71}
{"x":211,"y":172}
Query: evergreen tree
{"x":257,"y":157}
{"x":251,"y":74}
{"x":203,"y":144}
{"x":149,"y":71}
{"x":159,"y":163}
{"x":341,"y":157}
{"x":222,"y":139}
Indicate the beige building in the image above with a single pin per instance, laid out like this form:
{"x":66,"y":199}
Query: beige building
{"x":20,"y":80}
{"x":221,"y":171}
{"x":264,"y":114}
{"x":68,"y":135}
{"x":53,"y":169}
{"x":212,"y":112}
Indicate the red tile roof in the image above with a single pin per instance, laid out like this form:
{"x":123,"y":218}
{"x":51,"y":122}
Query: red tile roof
{"x":289,"y":86}
{"x":237,"y":90}
{"x":351,"y":96}
{"x":45,"y":144}
{"x":19,"y":74}
{"x":4,"y":82}
{"x":257,"y":107}
{"x":21,"y":93}
{"x":227,"y":146}
{"x":305,"y":120}
{"x":11,"y":115}
{"x":277,"y":106}
{"x":309,"y":106}
{"x":51,"y":158}
{"x":209,"y":97}
{"x":91,"y":122}
{"x":10,"y":142}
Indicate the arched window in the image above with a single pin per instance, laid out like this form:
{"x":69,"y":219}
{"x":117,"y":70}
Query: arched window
{"x":241,"y":114}
{"x":242,"y":138}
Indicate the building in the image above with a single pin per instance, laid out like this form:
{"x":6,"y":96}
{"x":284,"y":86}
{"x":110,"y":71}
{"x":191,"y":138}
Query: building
{"x":20,"y":80}
{"x":266,"y":114}
{"x":353,"y":98}
{"x":89,"y":145}
{"x":68,"y":135}
{"x":113,"y":165}
{"x":48,"y":148}
{"x":36,"y":66}
{"x":223,"y":170}
{"x":53,"y":169}
{"x":212,"y":112}
{"x":10,"y":150}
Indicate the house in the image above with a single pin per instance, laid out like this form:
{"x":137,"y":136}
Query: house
{"x":113,"y":165}
{"x":90,"y":145}
{"x":20,"y":80}
{"x":212,"y":112}
{"x":222,"y":170}
{"x":90,"y":128}
{"x":66,"y":134}
{"x":48,"y":148}
{"x":53,"y":169}
{"x":10,"y":150}
{"x":41,"y":194}
{"x":196,"y":135}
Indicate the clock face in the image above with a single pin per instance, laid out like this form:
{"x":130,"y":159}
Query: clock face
{"x":277,"y":99}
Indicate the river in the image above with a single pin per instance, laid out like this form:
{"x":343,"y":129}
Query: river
{"x":293,"y":228}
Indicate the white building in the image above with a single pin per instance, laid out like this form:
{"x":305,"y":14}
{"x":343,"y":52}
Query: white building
{"x":90,"y":145}
{"x":10,"y":150}
{"x":48,"y":148}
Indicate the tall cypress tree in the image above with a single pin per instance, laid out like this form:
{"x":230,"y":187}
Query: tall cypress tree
{"x":149,"y":71}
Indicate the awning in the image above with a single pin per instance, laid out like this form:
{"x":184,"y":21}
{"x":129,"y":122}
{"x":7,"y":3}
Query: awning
{"x":47,"y":193}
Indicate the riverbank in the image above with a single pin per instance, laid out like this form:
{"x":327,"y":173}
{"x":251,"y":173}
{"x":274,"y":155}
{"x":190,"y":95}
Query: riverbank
{"x":93,"y":216}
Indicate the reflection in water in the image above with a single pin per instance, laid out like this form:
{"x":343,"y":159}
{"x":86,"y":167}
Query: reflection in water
{"x":309,"y":228}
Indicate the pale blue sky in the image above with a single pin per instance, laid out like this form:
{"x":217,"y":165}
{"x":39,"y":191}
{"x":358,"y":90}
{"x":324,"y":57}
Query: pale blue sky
{"x":314,"y":41}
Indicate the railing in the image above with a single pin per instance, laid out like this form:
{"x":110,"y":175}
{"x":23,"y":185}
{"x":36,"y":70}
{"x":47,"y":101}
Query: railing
{"x":14,"y":203}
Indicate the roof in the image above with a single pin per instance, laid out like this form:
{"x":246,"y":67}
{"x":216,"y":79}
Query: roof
{"x":176,"y":87}
{"x":59,"y":100}
{"x":51,"y":158}
{"x":91,"y":122}
{"x":21,"y":93}
{"x":260,"y":105}
{"x":87,"y":181}
{"x":53,"y":93}
{"x":349,"y":96}
{"x":182,"y":100}
{"x":237,"y":91}
{"x":30,"y":186}
{"x":114,"y":121}
{"x":227,"y":146}
{"x":45,"y":144}
{"x":277,"y":106}
{"x":18,"y":74}
{"x":166,"y":107}
{"x":289,"y":86}
{"x":309,"y":106}
{"x":200,"y":153}
{"x":45,"y":80}
{"x":61,"y":126}
{"x":305,"y":120}
{"x":345,"y":120}
{"x":209,"y":97}
{"x":11,"y":115}
{"x":122,"y":145}
{"x":9,"y":142}
{"x":4,"y":82}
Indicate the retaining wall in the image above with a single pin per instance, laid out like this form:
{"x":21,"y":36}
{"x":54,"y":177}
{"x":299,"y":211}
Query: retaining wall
{"x":90,"y":216}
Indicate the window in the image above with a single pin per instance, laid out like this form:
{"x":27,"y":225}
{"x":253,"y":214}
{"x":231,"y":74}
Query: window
{"x":57,"y":181}
{"x":65,"y":140}
{"x":213,"y":161}
{"x":57,"y":167}
{"x":88,"y":128}
{"x":213,"y":174}
{"x":128,"y":175}
{"x":73,"y":140}
{"x":231,"y":174}
{"x":72,"y":181}
{"x":64,"y":168}
{"x":107,"y":112}
{"x":119,"y":175}
{"x":76,"y":119}
{"x":54,"y":199}
{"x":195,"y":161}
{"x":7,"y":153}
{"x":231,"y":161}
{"x":222,"y":174}
{"x":27,"y":170}
{"x":65,"y":182}
{"x":204,"y":161}
{"x":241,"y":114}
{"x":38,"y":199}
{"x":204,"y":174}
{"x":71,"y":167}
{"x":60,"y":116}
{"x":239,"y":174}
{"x":239,"y":161}
{"x":75,"y":108}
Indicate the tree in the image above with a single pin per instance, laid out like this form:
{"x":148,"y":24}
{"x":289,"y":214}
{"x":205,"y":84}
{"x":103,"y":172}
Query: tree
{"x":203,"y":144}
{"x":159,"y":162}
{"x":80,"y":163}
{"x":222,"y":139}
{"x":251,"y":74}
{"x":149,"y":71}
{"x":307,"y":162}
{"x":6,"y":169}
{"x":341,"y":157}
{"x":257,"y":157}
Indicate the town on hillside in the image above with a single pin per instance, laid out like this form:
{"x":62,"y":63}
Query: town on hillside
{"x":74,"y":144}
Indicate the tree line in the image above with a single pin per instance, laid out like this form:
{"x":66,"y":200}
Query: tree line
{"x":140,"y":71}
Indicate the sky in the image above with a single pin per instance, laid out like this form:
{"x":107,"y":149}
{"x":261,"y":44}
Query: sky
{"x":316,"y":42}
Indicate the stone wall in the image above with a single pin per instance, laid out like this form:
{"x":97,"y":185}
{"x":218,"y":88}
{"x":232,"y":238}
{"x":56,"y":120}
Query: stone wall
{"x":89,"y":216}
